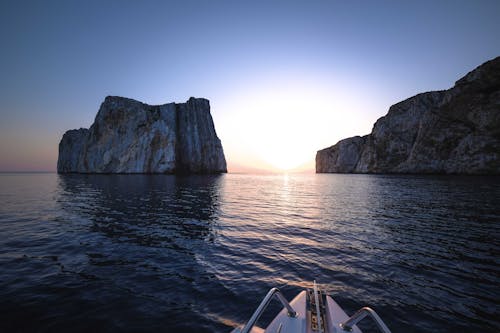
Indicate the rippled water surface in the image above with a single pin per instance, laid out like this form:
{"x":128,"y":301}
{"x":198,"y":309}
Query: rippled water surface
{"x":129,"y":253}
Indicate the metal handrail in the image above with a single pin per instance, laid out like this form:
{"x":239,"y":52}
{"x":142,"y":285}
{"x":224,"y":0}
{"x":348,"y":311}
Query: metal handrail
{"x":263,"y":305}
{"x":362,"y":313}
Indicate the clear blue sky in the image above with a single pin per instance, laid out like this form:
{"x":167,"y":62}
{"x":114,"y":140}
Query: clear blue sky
{"x":283,"y":77}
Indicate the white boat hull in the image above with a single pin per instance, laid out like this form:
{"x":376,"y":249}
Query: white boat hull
{"x":304,"y":321}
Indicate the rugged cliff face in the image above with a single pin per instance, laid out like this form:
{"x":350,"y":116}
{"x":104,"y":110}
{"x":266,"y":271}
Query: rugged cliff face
{"x":451,"y":131}
{"x":132,"y":137}
{"x":198,"y":148}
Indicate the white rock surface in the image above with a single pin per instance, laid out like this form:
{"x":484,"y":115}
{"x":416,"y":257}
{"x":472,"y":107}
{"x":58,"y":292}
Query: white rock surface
{"x":132,"y":137}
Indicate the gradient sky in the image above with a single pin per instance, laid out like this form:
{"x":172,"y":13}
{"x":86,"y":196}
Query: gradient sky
{"x":284,"y":78}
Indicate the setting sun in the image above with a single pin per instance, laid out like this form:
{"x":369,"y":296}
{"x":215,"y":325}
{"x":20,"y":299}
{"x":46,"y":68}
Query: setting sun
{"x":280,"y":125}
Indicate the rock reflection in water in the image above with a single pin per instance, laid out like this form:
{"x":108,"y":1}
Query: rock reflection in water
{"x":151,"y":210}
{"x":140,"y":235}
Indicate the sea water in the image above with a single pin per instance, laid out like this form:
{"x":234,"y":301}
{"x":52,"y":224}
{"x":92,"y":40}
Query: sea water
{"x":160,"y":253}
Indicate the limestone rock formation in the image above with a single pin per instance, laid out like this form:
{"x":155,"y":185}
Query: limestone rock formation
{"x":455,"y":131}
{"x":132,"y":137}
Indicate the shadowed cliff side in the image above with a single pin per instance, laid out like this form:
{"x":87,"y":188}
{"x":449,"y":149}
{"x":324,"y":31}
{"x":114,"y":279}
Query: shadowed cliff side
{"x":132,"y":137}
{"x":455,"y":131}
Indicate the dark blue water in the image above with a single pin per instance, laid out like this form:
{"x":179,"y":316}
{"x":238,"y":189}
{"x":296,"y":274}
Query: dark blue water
{"x":197,"y":254}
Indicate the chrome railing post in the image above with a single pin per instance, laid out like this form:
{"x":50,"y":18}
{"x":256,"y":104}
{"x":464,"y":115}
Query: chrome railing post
{"x":284,"y":302}
{"x":358,"y":316}
{"x":263,"y":305}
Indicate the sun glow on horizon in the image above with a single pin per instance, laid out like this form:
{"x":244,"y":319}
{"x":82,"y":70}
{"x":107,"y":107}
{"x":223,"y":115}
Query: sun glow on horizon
{"x":280,"y":126}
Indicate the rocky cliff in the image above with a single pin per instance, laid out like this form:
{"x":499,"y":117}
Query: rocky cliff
{"x":455,"y":131}
{"x":132,"y":137}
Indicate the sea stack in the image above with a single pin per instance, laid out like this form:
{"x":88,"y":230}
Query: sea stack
{"x":128,"y":136}
{"x":455,"y":131}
